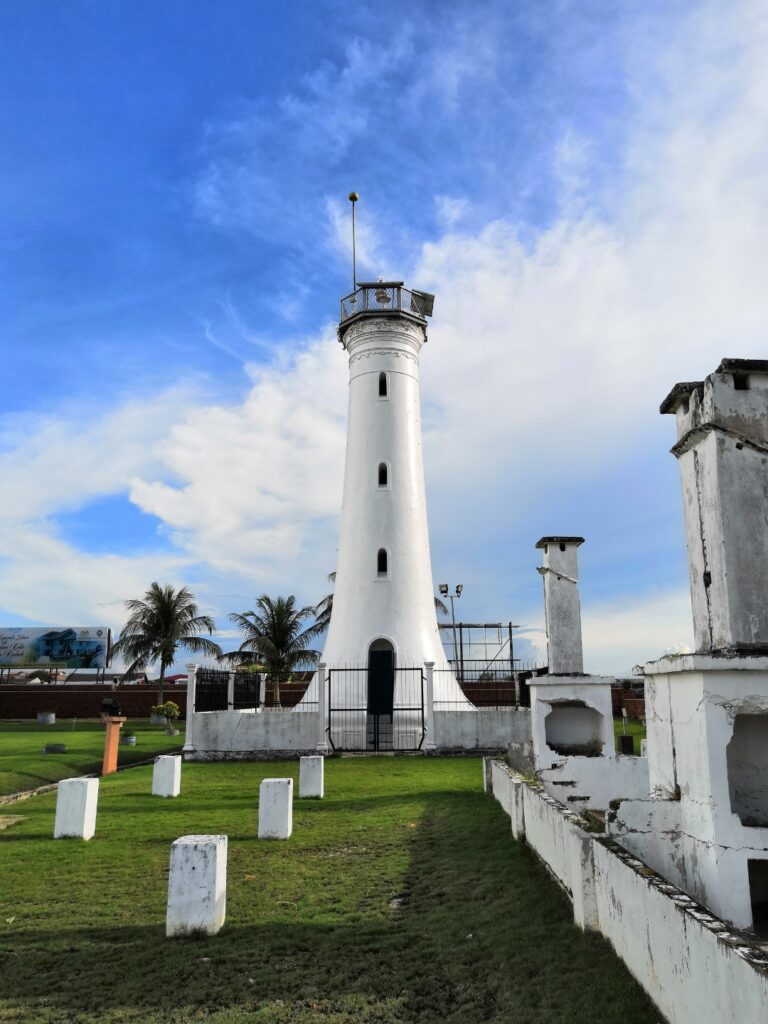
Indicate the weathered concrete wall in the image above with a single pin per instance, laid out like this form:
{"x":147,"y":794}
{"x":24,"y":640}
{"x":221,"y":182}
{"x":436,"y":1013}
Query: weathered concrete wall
{"x":574,"y":694}
{"x":593,"y":782}
{"x":243,"y":735}
{"x":722,"y":450}
{"x":482,"y":728}
{"x":562,"y":607}
{"x":691,"y":831}
{"x":695,"y":970}
{"x":691,"y":966}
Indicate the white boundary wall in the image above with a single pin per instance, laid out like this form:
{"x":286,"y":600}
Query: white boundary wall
{"x":251,"y":735}
{"x":690,"y":964}
{"x":481,"y":728}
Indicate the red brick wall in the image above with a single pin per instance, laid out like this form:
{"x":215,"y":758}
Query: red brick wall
{"x":71,"y":700}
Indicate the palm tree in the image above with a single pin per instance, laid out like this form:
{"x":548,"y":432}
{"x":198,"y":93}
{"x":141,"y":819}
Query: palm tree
{"x":275,"y":637}
{"x":324,"y":607}
{"x":158,"y":626}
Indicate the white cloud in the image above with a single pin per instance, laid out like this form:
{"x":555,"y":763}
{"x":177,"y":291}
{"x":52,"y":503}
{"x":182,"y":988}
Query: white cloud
{"x":250,"y":480}
{"x":44,"y":579}
{"x":618,"y":638}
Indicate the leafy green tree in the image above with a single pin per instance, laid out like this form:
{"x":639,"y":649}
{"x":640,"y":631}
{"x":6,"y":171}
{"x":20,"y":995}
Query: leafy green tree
{"x":275,"y":637}
{"x":161,"y":624}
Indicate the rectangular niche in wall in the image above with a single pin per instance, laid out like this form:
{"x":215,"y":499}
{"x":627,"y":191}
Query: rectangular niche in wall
{"x":758,"y":894}
{"x":572,"y":728}
{"x":747,"y":757}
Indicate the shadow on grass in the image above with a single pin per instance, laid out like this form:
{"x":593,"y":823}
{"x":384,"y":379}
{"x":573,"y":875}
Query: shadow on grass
{"x":477,"y":931}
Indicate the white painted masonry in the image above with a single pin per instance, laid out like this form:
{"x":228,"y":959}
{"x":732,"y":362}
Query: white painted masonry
{"x":245,"y":735}
{"x":695,"y":970}
{"x":482,"y":729}
{"x":166,"y":775}
{"x":562,"y":607}
{"x":571,"y":712}
{"x":383,"y":330}
{"x":76,"y":804}
{"x":722,"y":451}
{"x":248,"y":735}
{"x":690,"y":829}
{"x":197,"y":885}
{"x":276,"y":809}
{"x":311,"y":778}
{"x":575,"y":712}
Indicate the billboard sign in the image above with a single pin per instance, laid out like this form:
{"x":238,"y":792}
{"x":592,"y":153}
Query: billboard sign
{"x":63,"y":646}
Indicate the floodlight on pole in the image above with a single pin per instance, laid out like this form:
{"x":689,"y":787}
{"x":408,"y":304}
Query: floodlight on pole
{"x":444,"y":592}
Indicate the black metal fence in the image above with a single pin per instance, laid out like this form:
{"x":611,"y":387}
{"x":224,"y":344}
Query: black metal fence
{"x":211,"y":689}
{"x":247,"y":691}
{"x":354,"y":726}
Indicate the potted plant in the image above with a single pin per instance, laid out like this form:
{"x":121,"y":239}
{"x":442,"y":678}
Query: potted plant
{"x":128,"y":738}
{"x":170,"y":712}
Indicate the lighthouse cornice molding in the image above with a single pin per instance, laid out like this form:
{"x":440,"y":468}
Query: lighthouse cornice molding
{"x":377,"y":334}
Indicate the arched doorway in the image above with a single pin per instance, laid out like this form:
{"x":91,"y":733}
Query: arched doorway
{"x":381,"y":695}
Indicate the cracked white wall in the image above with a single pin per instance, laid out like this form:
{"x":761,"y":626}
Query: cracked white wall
{"x":688,"y":830}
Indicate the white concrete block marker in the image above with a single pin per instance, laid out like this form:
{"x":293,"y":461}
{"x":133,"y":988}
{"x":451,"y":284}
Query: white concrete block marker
{"x":276,"y":809}
{"x":76,"y":803}
{"x":311,"y":778}
{"x":166,"y":775}
{"x":197,"y":886}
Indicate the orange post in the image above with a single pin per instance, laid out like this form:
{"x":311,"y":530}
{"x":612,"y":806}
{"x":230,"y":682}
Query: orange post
{"x":111,"y":740}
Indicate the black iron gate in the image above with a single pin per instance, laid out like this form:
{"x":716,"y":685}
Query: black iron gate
{"x":363,"y":721}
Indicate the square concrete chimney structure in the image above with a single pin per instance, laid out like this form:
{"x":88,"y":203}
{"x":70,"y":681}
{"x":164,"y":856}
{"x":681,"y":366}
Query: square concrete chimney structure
{"x":562,"y":608}
{"x":722,"y":450}
{"x":706,"y":828}
{"x":574,"y":752}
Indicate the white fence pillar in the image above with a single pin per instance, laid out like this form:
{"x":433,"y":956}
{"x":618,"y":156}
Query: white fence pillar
{"x":322,"y":701}
{"x":76,"y":803}
{"x":262,"y":690}
{"x":276,"y":809}
{"x":231,"y":691}
{"x":197,"y":885}
{"x":311,"y":777}
{"x":166,"y":775}
{"x":430,"y":741}
{"x":188,"y":728}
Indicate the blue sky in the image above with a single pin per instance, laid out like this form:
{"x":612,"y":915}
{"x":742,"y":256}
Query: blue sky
{"x":581,"y":184}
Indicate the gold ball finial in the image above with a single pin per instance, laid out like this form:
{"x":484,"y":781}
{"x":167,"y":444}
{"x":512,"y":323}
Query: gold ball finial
{"x":353,"y":197}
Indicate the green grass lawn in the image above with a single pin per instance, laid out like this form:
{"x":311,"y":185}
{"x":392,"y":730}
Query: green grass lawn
{"x":634,"y":728}
{"x":24,"y":766}
{"x":400,"y":899}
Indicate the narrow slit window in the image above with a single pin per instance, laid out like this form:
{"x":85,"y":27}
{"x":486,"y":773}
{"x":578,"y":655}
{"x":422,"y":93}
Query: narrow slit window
{"x":382,"y":562}
{"x":383,"y":475}
{"x":382,"y":385}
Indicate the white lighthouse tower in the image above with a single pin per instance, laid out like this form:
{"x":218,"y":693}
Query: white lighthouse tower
{"x":383,"y":618}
